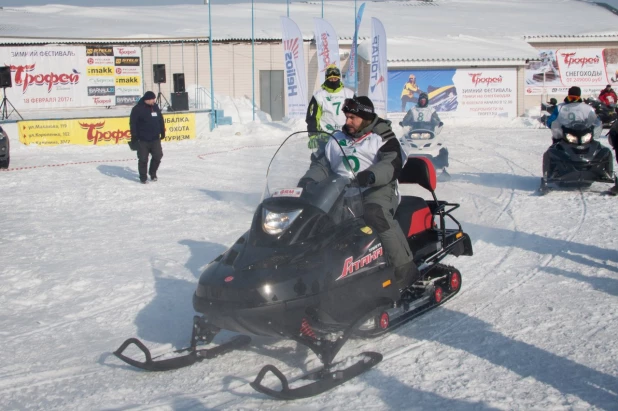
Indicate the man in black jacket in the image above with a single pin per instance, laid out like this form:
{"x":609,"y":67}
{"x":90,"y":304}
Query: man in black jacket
{"x":147,"y":131}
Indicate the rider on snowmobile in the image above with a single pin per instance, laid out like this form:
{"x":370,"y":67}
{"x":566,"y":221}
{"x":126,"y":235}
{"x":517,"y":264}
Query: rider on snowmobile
{"x":608,"y":96}
{"x":422,"y":113}
{"x":377,"y":161}
{"x":574,"y":109}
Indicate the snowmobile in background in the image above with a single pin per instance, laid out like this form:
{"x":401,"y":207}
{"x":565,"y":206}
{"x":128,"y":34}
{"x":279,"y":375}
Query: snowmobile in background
{"x":309,"y":269}
{"x":606,"y":114}
{"x":546,"y":110}
{"x":577,"y":160}
{"x":420,"y":139}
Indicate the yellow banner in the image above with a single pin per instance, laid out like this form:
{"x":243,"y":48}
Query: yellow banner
{"x":98,"y":131}
{"x":128,"y":80}
{"x":100,"y":71}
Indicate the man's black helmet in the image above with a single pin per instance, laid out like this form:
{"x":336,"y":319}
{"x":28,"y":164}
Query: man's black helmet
{"x":421,"y":97}
{"x":553,"y":101}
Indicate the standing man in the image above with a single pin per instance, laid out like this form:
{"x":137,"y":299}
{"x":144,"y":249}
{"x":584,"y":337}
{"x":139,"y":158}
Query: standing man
{"x":325,"y":108}
{"x":147,"y":131}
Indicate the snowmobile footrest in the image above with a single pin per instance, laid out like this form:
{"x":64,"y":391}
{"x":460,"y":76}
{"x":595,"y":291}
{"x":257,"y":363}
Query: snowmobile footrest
{"x":175,"y":363}
{"x":323,"y":379}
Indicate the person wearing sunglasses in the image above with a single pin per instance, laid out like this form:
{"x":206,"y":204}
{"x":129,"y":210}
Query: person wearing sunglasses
{"x":367,"y":145}
{"x":324,"y":112}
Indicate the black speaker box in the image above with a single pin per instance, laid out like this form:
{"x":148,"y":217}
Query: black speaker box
{"x":180,"y":101}
{"x":5,"y":77}
{"x":158,"y":73}
{"x":179,"y":82}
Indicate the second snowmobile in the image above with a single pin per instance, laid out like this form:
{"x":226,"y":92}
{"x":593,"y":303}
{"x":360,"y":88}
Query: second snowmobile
{"x":309,"y":269}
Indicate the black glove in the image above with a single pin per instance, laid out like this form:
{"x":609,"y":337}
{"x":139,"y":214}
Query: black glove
{"x":133,"y":145}
{"x":304,"y":182}
{"x":441,"y":124}
{"x":365,"y":178}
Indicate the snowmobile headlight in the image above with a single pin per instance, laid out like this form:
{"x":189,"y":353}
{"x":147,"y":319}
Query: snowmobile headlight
{"x":571,"y":138}
{"x":586,"y":138}
{"x":275,"y":223}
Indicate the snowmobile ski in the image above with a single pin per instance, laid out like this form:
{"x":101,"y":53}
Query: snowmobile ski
{"x":323,"y":379}
{"x":194,"y":355}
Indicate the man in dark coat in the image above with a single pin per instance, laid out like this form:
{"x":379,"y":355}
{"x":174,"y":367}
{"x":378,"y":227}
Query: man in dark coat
{"x":147,"y":131}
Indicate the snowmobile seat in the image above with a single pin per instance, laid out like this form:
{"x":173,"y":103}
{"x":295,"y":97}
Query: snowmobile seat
{"x":414,"y":215}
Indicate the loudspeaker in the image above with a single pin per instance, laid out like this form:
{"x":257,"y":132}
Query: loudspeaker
{"x":5,"y":77}
{"x":179,"y":82}
{"x":158,"y":73}
{"x":180,"y":101}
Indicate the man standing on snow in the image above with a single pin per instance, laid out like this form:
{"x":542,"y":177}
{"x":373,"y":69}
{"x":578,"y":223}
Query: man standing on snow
{"x":324,"y":111}
{"x":147,"y":131}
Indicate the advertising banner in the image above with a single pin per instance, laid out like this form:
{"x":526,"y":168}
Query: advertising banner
{"x":591,"y":69}
{"x":98,"y":131}
{"x":295,"y":77}
{"x":46,"y":77}
{"x":378,"y":75}
{"x":464,"y":92}
{"x":327,"y":43}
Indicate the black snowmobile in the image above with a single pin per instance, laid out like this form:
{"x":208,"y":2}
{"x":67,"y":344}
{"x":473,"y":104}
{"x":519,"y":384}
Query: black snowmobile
{"x":577,"y":160}
{"x":606,"y":114}
{"x":309,"y":269}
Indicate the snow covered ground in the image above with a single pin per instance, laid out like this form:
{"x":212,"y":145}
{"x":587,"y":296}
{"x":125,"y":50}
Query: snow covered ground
{"x":90,"y":257}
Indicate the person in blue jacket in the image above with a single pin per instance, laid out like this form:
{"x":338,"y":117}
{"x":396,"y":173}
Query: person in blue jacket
{"x":147,"y":131}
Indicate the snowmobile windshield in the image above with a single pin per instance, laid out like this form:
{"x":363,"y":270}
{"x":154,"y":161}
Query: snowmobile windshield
{"x":337,"y":196}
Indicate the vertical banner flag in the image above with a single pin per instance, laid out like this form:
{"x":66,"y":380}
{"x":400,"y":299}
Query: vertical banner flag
{"x":378,"y":74}
{"x":350,"y":78}
{"x":294,"y":61}
{"x":327,"y":44}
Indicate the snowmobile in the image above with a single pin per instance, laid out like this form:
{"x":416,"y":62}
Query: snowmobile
{"x":577,"y":160}
{"x":421,"y":139}
{"x":309,"y":269}
{"x":606,"y":114}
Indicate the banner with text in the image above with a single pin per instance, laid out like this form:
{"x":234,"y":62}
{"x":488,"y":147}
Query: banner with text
{"x":98,"y":131}
{"x":327,"y":43}
{"x":466,"y":92}
{"x":294,"y":61}
{"x":378,"y":75}
{"x":73,"y":76}
{"x":591,"y":69}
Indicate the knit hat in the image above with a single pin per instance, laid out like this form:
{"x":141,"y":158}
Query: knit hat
{"x":360,"y":106}
{"x":149,"y":95}
{"x":575,"y":91}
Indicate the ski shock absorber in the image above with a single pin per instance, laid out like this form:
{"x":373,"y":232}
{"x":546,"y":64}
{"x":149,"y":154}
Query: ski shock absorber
{"x":305,"y":329}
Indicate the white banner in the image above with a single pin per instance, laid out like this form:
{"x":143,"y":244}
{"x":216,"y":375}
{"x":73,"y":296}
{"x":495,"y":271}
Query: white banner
{"x":46,"y":77}
{"x":486,"y":92}
{"x":327,"y":43}
{"x":294,"y":61}
{"x":581,"y":67}
{"x":378,"y":88}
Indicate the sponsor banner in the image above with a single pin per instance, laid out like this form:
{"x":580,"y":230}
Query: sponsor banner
{"x":100,"y":81}
{"x":101,"y":91}
{"x":100,"y":71}
{"x":591,"y":69}
{"x":327,"y":43}
{"x":99,"y":51}
{"x":126,"y":61}
{"x":294,"y":61}
{"x":378,"y":70}
{"x":127,"y":52}
{"x":351,"y":77}
{"x":98,"y":131}
{"x":128,"y":91}
{"x":128,"y":71}
{"x":128,"y":80}
{"x":46,"y":77}
{"x":484,"y":92}
{"x":100,"y":61}
{"x":127,"y":100}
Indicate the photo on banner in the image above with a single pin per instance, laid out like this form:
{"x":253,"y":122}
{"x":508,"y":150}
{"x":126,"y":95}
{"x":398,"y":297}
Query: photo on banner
{"x":404,"y":87}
